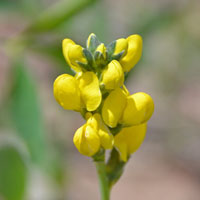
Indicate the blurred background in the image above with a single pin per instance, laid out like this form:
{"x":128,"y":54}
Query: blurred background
{"x":38,"y":160}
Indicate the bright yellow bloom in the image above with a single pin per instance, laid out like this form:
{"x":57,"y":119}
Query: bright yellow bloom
{"x":73,"y":54}
{"x":133,"y":54}
{"x":81,"y":91}
{"x":128,"y":140}
{"x":113,"y":75}
{"x":66,"y":92}
{"x":89,"y":137}
{"x":121,"y":45}
{"x":129,"y":110}
{"x":86,"y":140}
{"x":90,"y":91}
{"x":139,"y":108}
{"x":113,"y":107}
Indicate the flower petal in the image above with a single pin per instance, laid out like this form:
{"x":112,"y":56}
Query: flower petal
{"x":129,"y":140}
{"x":139,"y":109}
{"x":73,"y":53}
{"x":113,"y":107}
{"x":87,"y":140}
{"x":113,"y":75}
{"x":121,"y":45}
{"x":66,"y":92}
{"x":90,"y":91}
{"x":106,"y":137}
{"x":134,"y":52}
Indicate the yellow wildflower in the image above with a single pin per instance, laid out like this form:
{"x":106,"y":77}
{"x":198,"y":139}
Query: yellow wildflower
{"x":121,"y":45}
{"x":139,"y":108}
{"x":90,"y":91}
{"x":73,"y":54}
{"x":66,"y":92}
{"x":86,"y":140}
{"x":113,"y":107}
{"x":128,"y":110}
{"x":113,"y":75}
{"x":133,"y":54}
{"x":89,"y":137}
{"x":128,"y":140}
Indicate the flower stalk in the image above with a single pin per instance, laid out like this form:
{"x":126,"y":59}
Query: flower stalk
{"x":103,"y":180}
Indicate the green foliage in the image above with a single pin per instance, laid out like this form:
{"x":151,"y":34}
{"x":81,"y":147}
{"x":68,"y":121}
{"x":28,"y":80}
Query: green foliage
{"x":26,"y":112}
{"x":13,"y":174}
{"x":57,"y":14}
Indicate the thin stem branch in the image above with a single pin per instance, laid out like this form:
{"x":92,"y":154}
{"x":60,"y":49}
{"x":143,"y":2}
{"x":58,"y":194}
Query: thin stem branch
{"x":103,"y":180}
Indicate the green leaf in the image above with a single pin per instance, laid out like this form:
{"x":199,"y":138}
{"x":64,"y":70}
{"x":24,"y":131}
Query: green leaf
{"x":26,"y":112}
{"x":57,"y":14}
{"x":13,"y":174}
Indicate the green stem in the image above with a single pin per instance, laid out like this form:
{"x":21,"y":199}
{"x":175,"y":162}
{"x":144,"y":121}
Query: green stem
{"x":103,"y":180}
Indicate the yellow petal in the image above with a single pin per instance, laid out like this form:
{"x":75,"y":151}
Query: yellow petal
{"x":129,"y":140}
{"x":106,"y":137}
{"x":66,"y":92}
{"x":72,"y":54}
{"x":139,"y":109}
{"x":90,"y":91}
{"x":121,"y":45}
{"x":113,"y":107}
{"x":134,"y":52}
{"x":113,"y":75}
{"x":87,"y":140}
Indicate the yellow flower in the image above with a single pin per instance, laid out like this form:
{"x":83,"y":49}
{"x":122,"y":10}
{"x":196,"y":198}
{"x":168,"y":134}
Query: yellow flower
{"x":73,"y":54}
{"x":128,"y":140}
{"x":90,"y":91}
{"x":113,"y":75}
{"x":113,"y":107}
{"x":128,"y":110}
{"x":89,"y":137}
{"x":139,"y":108}
{"x":133,"y":54}
{"x":121,"y":45}
{"x":86,"y":140}
{"x":66,"y":92}
{"x":81,"y":91}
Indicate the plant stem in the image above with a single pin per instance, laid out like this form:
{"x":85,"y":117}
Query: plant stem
{"x":103,"y":180}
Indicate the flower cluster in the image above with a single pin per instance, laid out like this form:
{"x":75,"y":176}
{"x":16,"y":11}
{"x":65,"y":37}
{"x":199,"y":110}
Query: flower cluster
{"x":114,"y":118}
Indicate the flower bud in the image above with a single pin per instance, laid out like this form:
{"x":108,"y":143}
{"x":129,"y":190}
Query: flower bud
{"x":133,"y":54}
{"x":66,"y":92}
{"x":121,"y":45}
{"x":102,"y":49}
{"x":73,"y":54}
{"x":89,"y":88}
{"x":92,"y":42}
{"x":113,"y":75}
{"x":113,"y":107}
{"x":139,"y":108}
{"x":128,"y":140}
{"x":86,"y":140}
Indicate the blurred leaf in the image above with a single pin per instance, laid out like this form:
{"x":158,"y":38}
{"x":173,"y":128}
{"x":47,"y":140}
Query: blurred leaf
{"x":54,"y":52}
{"x":13,"y":174}
{"x":152,"y":21}
{"x":26,"y":112}
{"x":57,"y":14}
